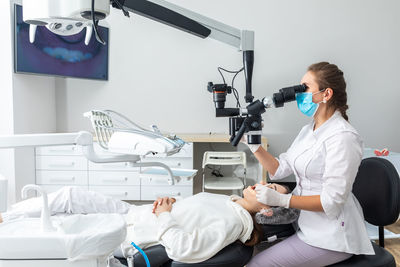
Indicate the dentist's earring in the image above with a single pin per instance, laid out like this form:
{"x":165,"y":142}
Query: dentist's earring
{"x":324,"y":101}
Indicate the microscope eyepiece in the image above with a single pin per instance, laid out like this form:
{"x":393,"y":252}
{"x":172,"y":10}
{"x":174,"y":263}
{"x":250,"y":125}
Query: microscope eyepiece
{"x":287,"y":94}
{"x":219,"y":92}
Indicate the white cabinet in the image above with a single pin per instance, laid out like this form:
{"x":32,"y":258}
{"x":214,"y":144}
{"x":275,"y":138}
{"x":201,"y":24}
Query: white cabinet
{"x":154,"y":186}
{"x":59,"y":166}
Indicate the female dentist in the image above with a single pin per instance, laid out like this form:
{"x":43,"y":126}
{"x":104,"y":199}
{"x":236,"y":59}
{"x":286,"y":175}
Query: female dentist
{"x":324,"y":157}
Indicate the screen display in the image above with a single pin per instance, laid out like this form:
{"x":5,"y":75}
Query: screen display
{"x":57,"y":55}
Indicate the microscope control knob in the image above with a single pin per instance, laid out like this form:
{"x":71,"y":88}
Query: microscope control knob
{"x":255,"y":124}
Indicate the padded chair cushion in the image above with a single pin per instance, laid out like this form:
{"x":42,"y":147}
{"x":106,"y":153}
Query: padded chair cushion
{"x":377,"y":188}
{"x":234,"y":255}
{"x":280,"y":230}
{"x":382,"y":258}
{"x":156,"y":254}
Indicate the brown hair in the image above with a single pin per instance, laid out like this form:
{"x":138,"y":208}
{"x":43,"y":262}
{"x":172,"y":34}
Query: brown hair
{"x":256,"y":235}
{"x":330,"y":76}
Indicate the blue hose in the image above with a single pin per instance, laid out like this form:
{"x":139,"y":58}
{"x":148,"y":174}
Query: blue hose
{"x":142,"y":252}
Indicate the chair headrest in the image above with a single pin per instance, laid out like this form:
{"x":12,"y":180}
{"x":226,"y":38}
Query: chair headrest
{"x":377,"y":188}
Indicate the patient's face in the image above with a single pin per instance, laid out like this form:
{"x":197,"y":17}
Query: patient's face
{"x":250,"y":195}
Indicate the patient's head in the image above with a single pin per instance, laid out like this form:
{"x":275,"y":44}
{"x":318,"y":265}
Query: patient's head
{"x":249,"y":201}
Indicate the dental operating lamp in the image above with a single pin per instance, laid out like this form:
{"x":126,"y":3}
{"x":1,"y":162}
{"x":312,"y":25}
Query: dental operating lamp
{"x":68,"y":17}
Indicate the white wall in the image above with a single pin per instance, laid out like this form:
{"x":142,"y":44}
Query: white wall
{"x":159,"y":74}
{"x":27,"y":105}
{"x":6,"y":99}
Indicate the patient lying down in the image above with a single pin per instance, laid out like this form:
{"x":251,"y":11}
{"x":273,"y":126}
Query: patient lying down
{"x":192,"y":229}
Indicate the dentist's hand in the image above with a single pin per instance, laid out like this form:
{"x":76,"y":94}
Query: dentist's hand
{"x":253,"y":148}
{"x":271,"y":197}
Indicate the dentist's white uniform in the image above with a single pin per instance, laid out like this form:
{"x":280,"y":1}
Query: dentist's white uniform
{"x":325,"y":162}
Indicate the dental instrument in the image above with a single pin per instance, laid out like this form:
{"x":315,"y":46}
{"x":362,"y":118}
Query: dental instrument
{"x":45,"y":216}
{"x":116,"y":133}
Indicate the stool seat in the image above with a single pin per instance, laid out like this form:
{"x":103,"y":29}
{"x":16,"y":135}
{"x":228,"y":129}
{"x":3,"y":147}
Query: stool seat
{"x":382,"y":258}
{"x":225,"y":183}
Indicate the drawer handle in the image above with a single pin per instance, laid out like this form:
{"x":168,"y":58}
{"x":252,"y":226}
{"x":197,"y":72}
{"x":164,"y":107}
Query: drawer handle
{"x":115,"y":166}
{"x":115,"y":180}
{"x":163,"y":194}
{"x":72,"y":164}
{"x":118,"y":194}
{"x":62,"y":150}
{"x":72,"y":179}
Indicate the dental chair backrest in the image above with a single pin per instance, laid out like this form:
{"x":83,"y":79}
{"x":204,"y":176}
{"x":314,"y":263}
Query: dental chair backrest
{"x":377,"y":188}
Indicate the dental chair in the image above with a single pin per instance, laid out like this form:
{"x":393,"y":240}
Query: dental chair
{"x":377,"y":188}
{"x":234,"y":255}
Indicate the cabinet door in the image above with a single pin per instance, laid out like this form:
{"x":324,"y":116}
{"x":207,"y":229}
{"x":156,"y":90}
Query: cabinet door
{"x":151,"y":179}
{"x":149,"y":192}
{"x":120,"y":166}
{"x":66,"y":163}
{"x":113,"y":178}
{"x":69,"y":150}
{"x":118,"y":192}
{"x":61,"y":177}
{"x":53,"y":188}
{"x":181,"y":163}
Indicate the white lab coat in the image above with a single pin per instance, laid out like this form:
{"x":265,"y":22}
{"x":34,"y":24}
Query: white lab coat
{"x":196,"y":229}
{"x":325,"y":162}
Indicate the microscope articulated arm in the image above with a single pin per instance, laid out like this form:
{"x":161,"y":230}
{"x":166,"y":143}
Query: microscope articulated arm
{"x":199,"y":25}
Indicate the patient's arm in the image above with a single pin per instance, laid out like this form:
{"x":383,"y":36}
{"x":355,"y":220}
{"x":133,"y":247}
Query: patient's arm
{"x":195,"y":246}
{"x":160,"y":201}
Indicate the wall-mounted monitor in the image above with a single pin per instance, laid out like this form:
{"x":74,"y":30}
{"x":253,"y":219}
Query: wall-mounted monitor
{"x":56,"y":55}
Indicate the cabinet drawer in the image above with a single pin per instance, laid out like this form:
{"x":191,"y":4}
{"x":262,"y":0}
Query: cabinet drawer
{"x":120,"y":166}
{"x":149,"y":179}
{"x":72,"y":163}
{"x":118,"y":192}
{"x":52,"y":188}
{"x":182,"y":163}
{"x":113,"y":178}
{"x":61,"y":177}
{"x":149,"y":192}
{"x":69,"y":150}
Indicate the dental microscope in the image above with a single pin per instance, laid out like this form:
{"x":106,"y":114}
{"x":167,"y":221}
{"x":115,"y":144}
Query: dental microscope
{"x":67,"y":17}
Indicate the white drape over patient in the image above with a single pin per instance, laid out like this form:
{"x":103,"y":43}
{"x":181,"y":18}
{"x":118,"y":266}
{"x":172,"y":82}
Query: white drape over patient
{"x":196,"y":229}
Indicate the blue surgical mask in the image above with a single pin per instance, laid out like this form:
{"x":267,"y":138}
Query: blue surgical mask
{"x":305,"y":103}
